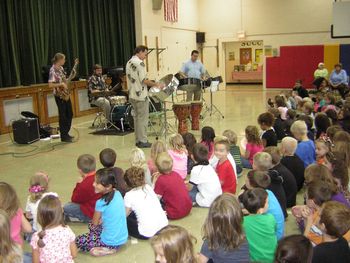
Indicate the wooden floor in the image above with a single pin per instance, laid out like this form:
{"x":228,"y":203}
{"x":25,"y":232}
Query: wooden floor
{"x":239,"y":104}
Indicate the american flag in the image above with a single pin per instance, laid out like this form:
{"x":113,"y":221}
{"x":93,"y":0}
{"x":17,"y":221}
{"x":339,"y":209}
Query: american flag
{"x":170,"y":10}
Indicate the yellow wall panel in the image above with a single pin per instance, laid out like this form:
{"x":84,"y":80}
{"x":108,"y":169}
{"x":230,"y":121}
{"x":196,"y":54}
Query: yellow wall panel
{"x":331,"y":56}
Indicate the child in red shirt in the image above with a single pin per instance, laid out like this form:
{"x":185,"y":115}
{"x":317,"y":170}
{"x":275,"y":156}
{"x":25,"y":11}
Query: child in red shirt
{"x":171,"y":188}
{"x":84,"y":198}
{"x":224,"y":169}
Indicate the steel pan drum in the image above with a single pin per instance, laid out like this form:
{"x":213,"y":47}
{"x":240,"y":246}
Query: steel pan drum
{"x":171,"y":83}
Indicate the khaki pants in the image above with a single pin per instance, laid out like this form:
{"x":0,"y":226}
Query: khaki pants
{"x":141,"y":110}
{"x":197,"y":95}
{"x":103,"y":104}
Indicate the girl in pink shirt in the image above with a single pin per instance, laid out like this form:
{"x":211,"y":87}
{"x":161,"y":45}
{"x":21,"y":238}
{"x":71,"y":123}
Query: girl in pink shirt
{"x":254,"y":145}
{"x":56,"y":242}
{"x":179,"y":154}
{"x":10,"y":251}
{"x":157,"y":148}
{"x":9,"y":202}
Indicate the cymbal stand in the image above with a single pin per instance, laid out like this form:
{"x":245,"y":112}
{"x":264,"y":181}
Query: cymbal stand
{"x":211,"y":108}
{"x":166,"y":126}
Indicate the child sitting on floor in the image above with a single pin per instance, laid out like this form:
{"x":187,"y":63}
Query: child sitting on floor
{"x":263,"y":162}
{"x":145,"y":216}
{"x":334,"y":223}
{"x":178,"y":152}
{"x":322,"y":147}
{"x":13,"y":252}
{"x":234,"y":150}
{"x":9,"y":202}
{"x":266,"y":121}
{"x":204,"y":183}
{"x":311,"y":133}
{"x":39,"y":186}
{"x":83,"y":200}
{"x":306,"y":148}
{"x":291,"y":116}
{"x":279,"y":125}
{"x":289,"y":183}
{"x":208,"y":135}
{"x":108,"y":158}
{"x":294,"y":248}
{"x":173,"y":244}
{"x":224,"y":168}
{"x":258,"y":179}
{"x":254,"y":145}
{"x":171,"y":189}
{"x":108,"y":230}
{"x":292,"y":161}
{"x":157,"y":148}
{"x":55,"y":242}
{"x":189,"y":141}
{"x":138,"y":159}
{"x":259,"y":227}
{"x":322,"y":122}
{"x":223,"y":235}
{"x":281,"y":106}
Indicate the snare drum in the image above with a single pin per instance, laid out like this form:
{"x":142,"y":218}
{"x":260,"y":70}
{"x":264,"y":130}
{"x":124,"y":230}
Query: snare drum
{"x":118,"y":100}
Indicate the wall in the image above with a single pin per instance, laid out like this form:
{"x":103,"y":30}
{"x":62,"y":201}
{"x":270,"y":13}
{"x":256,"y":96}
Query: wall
{"x":178,"y":38}
{"x":276,"y":22}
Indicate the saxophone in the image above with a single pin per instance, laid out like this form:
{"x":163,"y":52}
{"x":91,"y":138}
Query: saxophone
{"x":64,"y":93}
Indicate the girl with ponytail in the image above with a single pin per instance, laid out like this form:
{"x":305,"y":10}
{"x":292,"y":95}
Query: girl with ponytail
{"x":55,"y":242}
{"x":108,"y":230}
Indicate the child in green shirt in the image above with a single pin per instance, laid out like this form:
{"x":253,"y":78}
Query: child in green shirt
{"x":260,"y":228}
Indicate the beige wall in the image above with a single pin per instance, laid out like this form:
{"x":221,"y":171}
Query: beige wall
{"x":276,"y":22}
{"x":178,"y":38}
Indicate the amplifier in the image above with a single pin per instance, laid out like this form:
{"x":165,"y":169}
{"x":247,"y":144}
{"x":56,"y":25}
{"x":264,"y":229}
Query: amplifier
{"x":26,"y":130}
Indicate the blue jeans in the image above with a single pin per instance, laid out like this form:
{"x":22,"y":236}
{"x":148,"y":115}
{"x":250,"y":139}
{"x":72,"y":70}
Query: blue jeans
{"x":74,"y":214}
{"x":193,"y":193}
{"x":246,"y":163}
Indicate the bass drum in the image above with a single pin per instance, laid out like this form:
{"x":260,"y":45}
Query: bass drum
{"x":122,"y":116}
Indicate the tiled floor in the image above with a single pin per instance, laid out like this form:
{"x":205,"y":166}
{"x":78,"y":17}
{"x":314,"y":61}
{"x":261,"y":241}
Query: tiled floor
{"x":240,"y":105}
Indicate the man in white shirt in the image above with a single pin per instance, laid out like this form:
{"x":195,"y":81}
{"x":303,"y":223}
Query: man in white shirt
{"x":138,"y":94}
{"x":193,"y":68}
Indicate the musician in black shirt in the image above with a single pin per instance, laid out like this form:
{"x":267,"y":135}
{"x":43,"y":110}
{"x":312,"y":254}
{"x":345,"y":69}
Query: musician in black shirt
{"x":96,"y":86}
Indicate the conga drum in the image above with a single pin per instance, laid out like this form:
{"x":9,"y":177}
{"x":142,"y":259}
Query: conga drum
{"x":182,"y":112}
{"x":196,"y":109}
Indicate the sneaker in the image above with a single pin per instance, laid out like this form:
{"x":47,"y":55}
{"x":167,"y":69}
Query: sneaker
{"x":144,"y":145}
{"x":66,"y":139}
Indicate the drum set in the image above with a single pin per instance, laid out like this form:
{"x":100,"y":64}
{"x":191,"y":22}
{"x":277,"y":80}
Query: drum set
{"x":122,"y":113}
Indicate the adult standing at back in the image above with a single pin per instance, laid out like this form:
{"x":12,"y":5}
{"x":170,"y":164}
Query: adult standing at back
{"x":138,"y":94}
{"x":193,"y":68}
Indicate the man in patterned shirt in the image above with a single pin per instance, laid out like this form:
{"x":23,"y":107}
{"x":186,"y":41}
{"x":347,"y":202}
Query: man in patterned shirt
{"x":57,"y":80}
{"x":138,"y":94}
{"x":97,"y":84}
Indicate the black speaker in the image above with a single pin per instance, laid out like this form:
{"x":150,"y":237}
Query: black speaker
{"x":26,"y":131}
{"x":200,"y":37}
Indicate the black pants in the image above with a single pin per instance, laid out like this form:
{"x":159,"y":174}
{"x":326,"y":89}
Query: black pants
{"x":133,"y":227}
{"x":65,"y":115}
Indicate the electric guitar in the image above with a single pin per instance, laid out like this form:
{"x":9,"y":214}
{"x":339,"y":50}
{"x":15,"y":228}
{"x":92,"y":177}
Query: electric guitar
{"x":64,"y":93}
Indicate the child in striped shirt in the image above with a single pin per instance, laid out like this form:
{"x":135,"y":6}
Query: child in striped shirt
{"x":234,"y":149}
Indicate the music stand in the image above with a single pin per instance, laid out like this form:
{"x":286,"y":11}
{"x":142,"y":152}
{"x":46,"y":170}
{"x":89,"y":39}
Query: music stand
{"x":212,"y":109}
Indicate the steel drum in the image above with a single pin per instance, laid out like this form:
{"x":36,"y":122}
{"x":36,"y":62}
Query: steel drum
{"x":171,"y":83}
